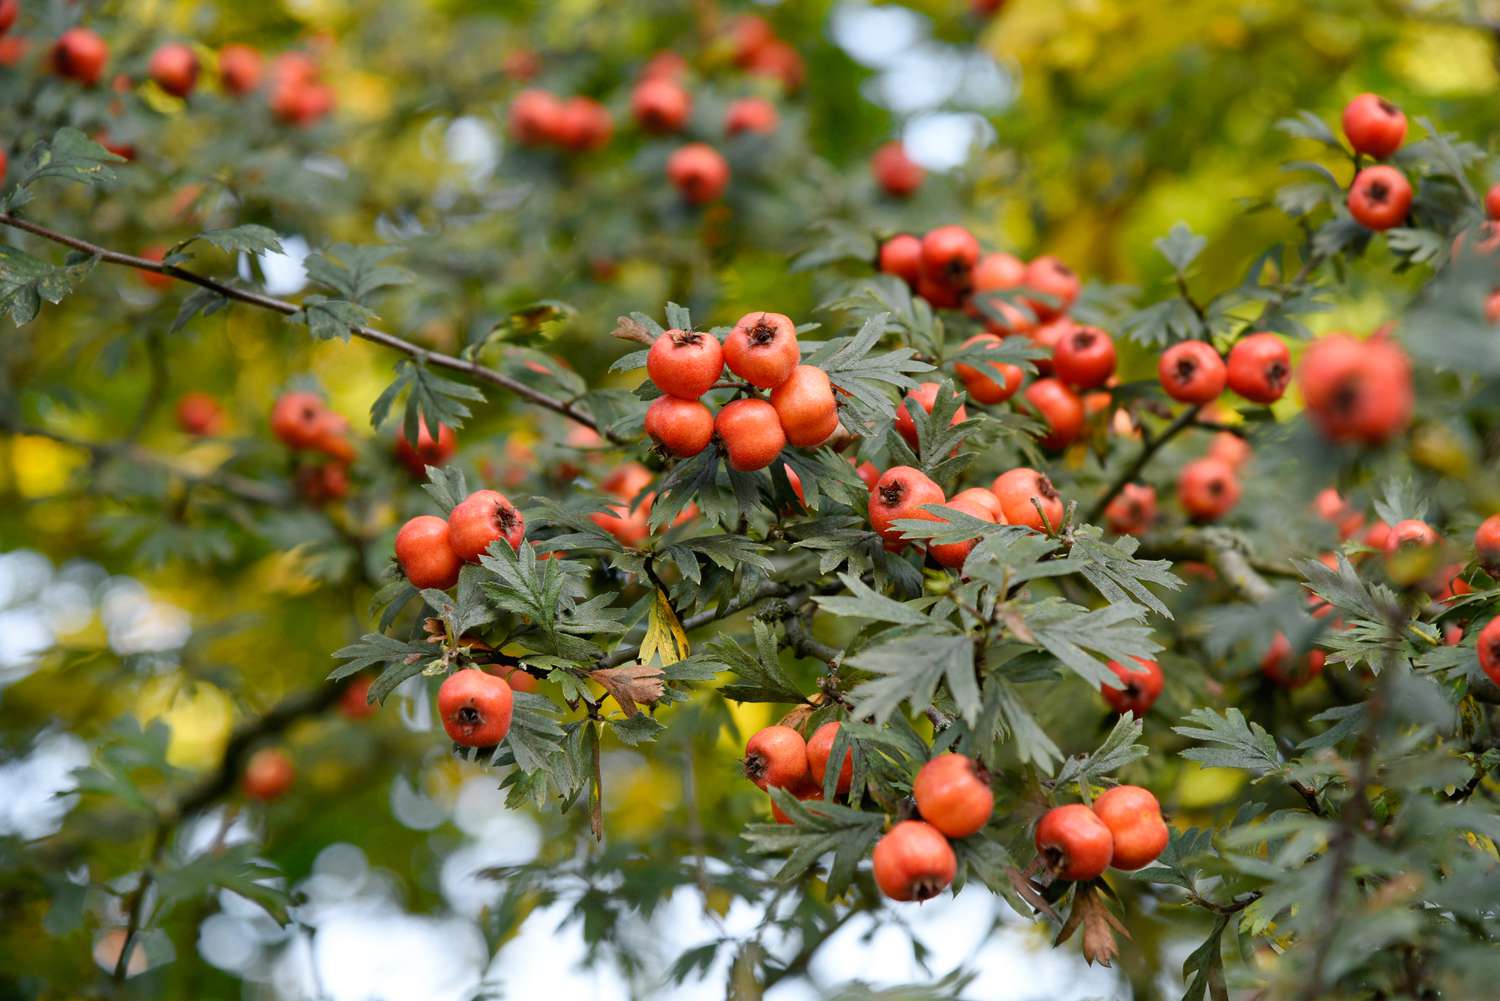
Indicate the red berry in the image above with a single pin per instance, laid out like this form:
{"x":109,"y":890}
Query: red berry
{"x":806,"y":793}
{"x":1208,"y":489}
{"x":483,"y":517}
{"x":240,"y":68}
{"x":1260,"y":366}
{"x":1332,"y":508}
{"x":1492,"y":202}
{"x":1133,"y":510}
{"x":776,"y":756}
{"x":1374,"y":126}
{"x":925,"y":396}
{"x":475,"y":708}
{"x":820,"y":751}
{"x":1488,"y":646}
{"x":535,"y":116}
{"x":1283,"y":670}
{"x":806,"y":406}
{"x":1074,"y":843}
{"x":199,"y":414}
{"x":9,"y":10}
{"x":1192,"y":372}
{"x":938,"y":295}
{"x":867,"y":472}
{"x":698,"y":172}
{"x":665,"y":65}
{"x":749,"y":34}
{"x":751,"y":433}
{"x":268,"y":774}
{"x":762,"y":349}
{"x":900,"y":492}
{"x":355,"y":702}
{"x":1048,"y":336}
{"x":1356,"y":391}
{"x":660,"y":105}
{"x":913,"y":861}
{"x":1060,"y":409}
{"x":513,"y":674}
{"x":948,"y":255}
{"x":953,"y":554}
{"x":984,"y":498}
{"x":1018,"y":488}
{"x":778,"y":61}
{"x":297,"y":419}
{"x":1379,"y":197}
{"x":1487,"y":544}
{"x":428,"y":451}
{"x":750,"y":114}
{"x":1084,"y":357}
{"x":1057,"y":283}
{"x":682,"y":427}
{"x":174,"y":68}
{"x":583,"y":124}
{"x":1133,"y":817}
{"x":80,"y":54}
{"x":1143,"y":684}
{"x":897,"y":174}
{"x":425,"y":554}
{"x":320,"y":484}
{"x":685,"y":363}
{"x":998,"y":272}
{"x":1410,"y":532}
{"x":982,"y":382}
{"x":953,"y":794}
{"x":1230,"y":449}
{"x":901,"y":256}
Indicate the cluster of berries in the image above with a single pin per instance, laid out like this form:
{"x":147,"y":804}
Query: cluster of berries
{"x":432,"y":550}
{"x":762,"y":350}
{"x":297,"y":94}
{"x":1123,"y":829}
{"x":304,"y":423}
{"x":1020,"y":496}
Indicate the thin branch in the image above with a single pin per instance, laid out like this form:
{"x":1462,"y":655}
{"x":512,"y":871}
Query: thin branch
{"x":470,"y":368}
{"x":1225,"y":553}
{"x":1149,"y":447}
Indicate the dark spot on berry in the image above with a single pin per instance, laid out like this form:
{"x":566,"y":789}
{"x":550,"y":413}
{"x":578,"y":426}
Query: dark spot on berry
{"x":1378,"y":192}
{"x":1186,"y":369}
{"x":892,"y":493}
{"x":1278,"y":374}
{"x":1388,"y":107}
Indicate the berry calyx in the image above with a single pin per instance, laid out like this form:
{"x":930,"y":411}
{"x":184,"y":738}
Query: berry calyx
{"x":268,"y":774}
{"x":1192,"y":372}
{"x":953,"y":794}
{"x":820,"y":751}
{"x":485,"y":516}
{"x":1380,"y":197}
{"x":685,"y":363}
{"x":751,"y":433}
{"x":1074,"y":843}
{"x":681,"y":427}
{"x":762,"y":349}
{"x":913,"y":861}
{"x":806,"y":406}
{"x":1133,"y":817}
{"x":776,"y":756}
{"x":1021,"y":491}
{"x":297,"y":419}
{"x":1374,"y":126}
{"x":425,"y":554}
{"x":475,"y":708}
{"x":1143,"y":682}
{"x":1260,"y":368}
{"x":948,"y":255}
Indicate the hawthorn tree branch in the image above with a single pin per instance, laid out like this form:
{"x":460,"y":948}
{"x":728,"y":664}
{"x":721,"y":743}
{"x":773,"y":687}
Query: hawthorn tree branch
{"x":736,"y":604}
{"x":1225,"y":553}
{"x":472,"y":369}
{"x":1149,"y":447}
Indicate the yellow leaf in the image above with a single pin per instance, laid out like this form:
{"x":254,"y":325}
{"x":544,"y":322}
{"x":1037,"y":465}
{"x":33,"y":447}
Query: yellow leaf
{"x":664,"y":635}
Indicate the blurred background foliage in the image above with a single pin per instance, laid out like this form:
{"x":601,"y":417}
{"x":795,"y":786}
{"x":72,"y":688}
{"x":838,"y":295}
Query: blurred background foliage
{"x":1095,"y":126}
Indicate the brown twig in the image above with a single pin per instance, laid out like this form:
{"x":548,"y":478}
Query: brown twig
{"x":1149,"y":447}
{"x":470,"y":368}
